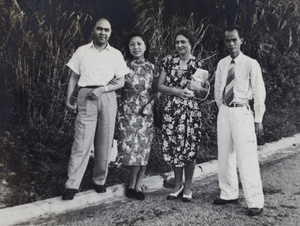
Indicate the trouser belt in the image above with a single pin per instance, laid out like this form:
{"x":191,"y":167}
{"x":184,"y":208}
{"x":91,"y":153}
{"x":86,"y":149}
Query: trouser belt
{"x":232,"y":105}
{"x":89,"y":87}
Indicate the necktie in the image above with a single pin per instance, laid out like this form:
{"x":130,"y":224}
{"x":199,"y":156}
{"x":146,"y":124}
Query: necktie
{"x":228,"y":90}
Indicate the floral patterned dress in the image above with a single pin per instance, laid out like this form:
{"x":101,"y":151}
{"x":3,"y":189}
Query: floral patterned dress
{"x":181,"y":129}
{"x":134,"y":129}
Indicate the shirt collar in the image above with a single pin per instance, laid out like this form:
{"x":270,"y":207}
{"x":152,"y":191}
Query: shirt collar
{"x":238,"y":58}
{"x":108,"y":47}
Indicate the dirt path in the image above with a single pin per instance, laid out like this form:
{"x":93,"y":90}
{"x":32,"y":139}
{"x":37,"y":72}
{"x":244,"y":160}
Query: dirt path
{"x":282,"y":207}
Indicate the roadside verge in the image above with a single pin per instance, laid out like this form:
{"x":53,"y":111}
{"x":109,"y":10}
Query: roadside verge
{"x":50,"y":207}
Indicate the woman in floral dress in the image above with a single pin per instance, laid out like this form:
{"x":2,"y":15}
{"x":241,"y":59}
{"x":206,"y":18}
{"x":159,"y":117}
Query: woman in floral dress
{"x":182,"y":122}
{"x":135,"y":117}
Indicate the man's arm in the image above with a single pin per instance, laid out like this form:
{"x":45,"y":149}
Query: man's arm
{"x":71,"y":87}
{"x":259,"y":92}
{"x":113,"y":85}
{"x":218,"y":97}
{"x":117,"y":85}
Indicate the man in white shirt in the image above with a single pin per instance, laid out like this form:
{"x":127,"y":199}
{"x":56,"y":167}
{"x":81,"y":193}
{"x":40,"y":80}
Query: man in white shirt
{"x":92,"y":67}
{"x":238,"y":80}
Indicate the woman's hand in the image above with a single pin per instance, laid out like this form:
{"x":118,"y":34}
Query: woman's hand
{"x":184,"y":93}
{"x":147,"y":109}
{"x":96,"y":93}
{"x":201,"y":91}
{"x":195,"y":86}
{"x":114,"y":81}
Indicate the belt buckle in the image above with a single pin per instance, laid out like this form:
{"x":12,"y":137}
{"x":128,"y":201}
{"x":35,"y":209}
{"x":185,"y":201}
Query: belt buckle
{"x":224,"y":103}
{"x":238,"y":105}
{"x":233,"y":105}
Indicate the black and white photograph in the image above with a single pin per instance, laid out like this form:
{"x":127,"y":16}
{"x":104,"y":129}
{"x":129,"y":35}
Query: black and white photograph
{"x":149,"y":112}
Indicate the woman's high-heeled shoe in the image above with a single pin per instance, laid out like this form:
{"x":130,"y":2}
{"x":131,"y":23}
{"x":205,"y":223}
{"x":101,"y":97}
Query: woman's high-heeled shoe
{"x":187,"y":198}
{"x":175,"y":195}
{"x":130,"y":192}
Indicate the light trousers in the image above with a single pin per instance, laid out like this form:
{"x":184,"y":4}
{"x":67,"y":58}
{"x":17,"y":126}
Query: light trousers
{"x":94,"y":124}
{"x":237,"y":147}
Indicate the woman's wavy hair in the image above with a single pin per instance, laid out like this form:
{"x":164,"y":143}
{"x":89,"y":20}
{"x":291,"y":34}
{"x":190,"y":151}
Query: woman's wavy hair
{"x":127,"y":40}
{"x":187,"y":34}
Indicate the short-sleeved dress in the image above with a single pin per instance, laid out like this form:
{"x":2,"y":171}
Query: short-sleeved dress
{"x":135,"y":130}
{"x":181,"y":129}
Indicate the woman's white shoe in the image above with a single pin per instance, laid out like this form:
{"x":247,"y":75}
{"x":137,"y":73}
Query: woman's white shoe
{"x":175,"y":195}
{"x":187,"y":198}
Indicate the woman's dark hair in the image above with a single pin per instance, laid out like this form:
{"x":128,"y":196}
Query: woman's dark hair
{"x":187,"y":34}
{"x":235,"y":27}
{"x":129,"y":37}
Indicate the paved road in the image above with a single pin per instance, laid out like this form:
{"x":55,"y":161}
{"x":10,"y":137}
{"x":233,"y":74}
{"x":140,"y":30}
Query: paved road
{"x":281,"y":180}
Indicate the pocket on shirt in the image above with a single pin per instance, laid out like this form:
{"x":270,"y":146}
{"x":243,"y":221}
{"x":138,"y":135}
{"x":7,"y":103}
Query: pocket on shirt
{"x":241,"y":85}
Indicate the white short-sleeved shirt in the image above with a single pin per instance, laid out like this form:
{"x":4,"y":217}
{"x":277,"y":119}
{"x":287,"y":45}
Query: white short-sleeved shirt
{"x":97,"y":67}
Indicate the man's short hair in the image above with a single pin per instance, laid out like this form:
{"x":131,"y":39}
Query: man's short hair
{"x":100,"y":18}
{"x":235,"y":27}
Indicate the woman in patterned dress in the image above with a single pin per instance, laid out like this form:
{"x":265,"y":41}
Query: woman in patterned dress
{"x":135,"y":116}
{"x":181,"y":129}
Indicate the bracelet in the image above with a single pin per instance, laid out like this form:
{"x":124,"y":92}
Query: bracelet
{"x":105,"y":88}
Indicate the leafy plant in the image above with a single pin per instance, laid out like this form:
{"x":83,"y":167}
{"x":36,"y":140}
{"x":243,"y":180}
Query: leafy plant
{"x":37,"y":60}
{"x":35,"y":77}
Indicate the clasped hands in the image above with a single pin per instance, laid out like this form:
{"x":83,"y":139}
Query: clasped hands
{"x":196,"y":85}
{"x":192,"y":87}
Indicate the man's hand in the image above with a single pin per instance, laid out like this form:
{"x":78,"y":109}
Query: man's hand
{"x":259,"y":130}
{"x":71,"y":86}
{"x":70,"y":107}
{"x":96,"y":93}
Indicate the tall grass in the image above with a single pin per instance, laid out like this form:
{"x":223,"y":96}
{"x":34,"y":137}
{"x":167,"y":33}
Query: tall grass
{"x":34,"y":49}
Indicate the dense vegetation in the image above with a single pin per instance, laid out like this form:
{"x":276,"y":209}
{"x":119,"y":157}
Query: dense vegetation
{"x":39,"y":37}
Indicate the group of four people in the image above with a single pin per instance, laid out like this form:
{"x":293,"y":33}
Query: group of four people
{"x":99,"y":70}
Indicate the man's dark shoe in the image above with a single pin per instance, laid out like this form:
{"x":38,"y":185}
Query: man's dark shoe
{"x":69,"y":194}
{"x":130,"y":193}
{"x":255,"y":211}
{"x":219,"y":201}
{"x":140,"y":195}
{"x":100,"y":188}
